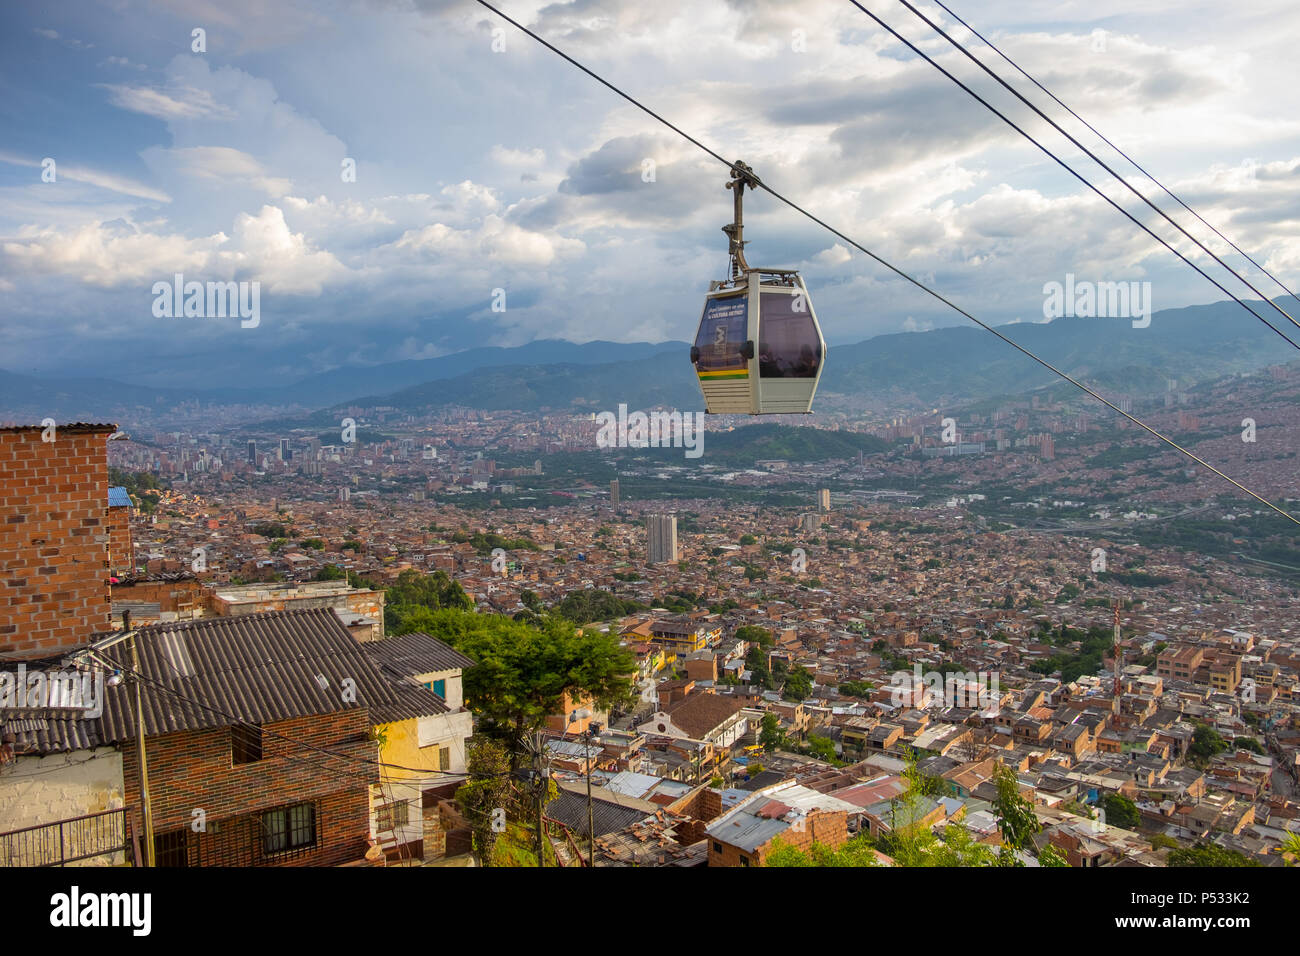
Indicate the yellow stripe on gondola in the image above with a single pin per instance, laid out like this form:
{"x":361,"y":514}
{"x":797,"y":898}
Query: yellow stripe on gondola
{"x":726,"y":373}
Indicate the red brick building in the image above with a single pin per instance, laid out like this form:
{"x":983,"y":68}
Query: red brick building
{"x":259,"y":729}
{"x":53,"y":536}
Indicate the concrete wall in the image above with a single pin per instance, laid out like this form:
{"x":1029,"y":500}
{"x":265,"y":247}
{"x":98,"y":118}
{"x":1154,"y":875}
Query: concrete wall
{"x":40,"y":790}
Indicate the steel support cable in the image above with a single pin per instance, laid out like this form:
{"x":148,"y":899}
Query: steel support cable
{"x":1083,"y":179}
{"x":895,"y":269}
{"x":1136,"y":165}
{"x":1093,"y":156}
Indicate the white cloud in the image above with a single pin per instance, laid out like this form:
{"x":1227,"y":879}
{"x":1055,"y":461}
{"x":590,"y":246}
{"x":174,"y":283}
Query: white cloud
{"x":172,"y":104}
{"x":106,"y":255}
{"x":525,"y":158}
{"x":221,"y":164}
{"x":282,"y":259}
{"x":94,"y":177}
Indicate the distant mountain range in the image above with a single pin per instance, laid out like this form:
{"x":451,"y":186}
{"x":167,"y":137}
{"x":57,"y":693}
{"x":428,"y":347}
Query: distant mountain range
{"x":951,"y":364}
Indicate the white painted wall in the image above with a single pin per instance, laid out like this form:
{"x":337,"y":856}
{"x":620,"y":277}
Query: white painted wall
{"x":39,"y":790}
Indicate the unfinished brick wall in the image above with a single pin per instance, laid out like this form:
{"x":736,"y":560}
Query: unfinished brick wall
{"x":121,"y":553}
{"x":53,"y":537}
{"x":192,"y":770}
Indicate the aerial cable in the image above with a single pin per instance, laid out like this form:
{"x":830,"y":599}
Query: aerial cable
{"x":1134,"y":162}
{"x":1091,"y":155}
{"x":1066,"y":166}
{"x":895,"y":269}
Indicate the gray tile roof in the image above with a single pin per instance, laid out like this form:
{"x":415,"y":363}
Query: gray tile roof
{"x":46,"y":730}
{"x":258,"y":668}
{"x":418,"y":653}
{"x":570,"y":808}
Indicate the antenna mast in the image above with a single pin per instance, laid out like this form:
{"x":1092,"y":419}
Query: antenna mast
{"x":1115,"y":687}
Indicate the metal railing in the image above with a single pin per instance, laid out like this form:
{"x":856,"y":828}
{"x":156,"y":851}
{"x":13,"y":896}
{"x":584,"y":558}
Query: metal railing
{"x":108,"y":833}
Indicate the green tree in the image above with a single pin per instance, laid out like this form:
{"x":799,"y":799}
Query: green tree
{"x":1121,"y":811}
{"x":771,"y":736}
{"x":754,"y":634}
{"x":484,"y":796}
{"x":414,"y":593}
{"x":798,"y":684}
{"x":823,"y":748}
{"x":1209,"y":855}
{"x":1016,"y":818}
{"x":523,"y":672}
{"x":594,"y":604}
{"x":1206,"y":743}
{"x":756,"y":661}
{"x":331,"y":572}
{"x":1291,"y":847}
{"x":1051,"y":856}
{"x":857,"y":852}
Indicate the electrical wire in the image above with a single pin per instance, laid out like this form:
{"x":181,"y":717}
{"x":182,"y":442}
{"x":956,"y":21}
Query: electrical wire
{"x":1093,"y":156}
{"x":1104,"y":139}
{"x":1079,"y":176}
{"x":899,"y":272}
{"x":129,"y":671}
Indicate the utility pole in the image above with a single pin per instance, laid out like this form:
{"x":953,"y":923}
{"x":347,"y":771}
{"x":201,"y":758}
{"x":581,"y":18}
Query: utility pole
{"x":1116,"y":685}
{"x":140,"y":751}
{"x":93,"y":654}
{"x":541,"y":797}
{"x":591,"y":814}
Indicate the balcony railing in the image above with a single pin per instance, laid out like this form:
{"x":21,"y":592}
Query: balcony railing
{"x":108,"y":838}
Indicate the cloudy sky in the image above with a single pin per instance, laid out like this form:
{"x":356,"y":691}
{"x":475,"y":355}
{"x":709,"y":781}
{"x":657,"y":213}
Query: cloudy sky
{"x":481,"y":168}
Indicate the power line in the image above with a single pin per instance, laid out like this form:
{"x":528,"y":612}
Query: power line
{"x":899,"y":272}
{"x":1134,"y":162}
{"x":1079,"y":176}
{"x":1096,"y":159}
{"x":239,"y":720}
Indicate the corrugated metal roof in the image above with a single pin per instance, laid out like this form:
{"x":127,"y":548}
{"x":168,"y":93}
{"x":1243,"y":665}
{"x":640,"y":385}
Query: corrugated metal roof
{"x":258,"y":668}
{"x":571,"y":809}
{"x":118,"y":498}
{"x":44,"y":730}
{"x":418,"y":653}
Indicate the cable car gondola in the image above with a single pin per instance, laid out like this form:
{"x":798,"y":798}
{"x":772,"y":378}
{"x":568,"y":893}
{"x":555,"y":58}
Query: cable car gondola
{"x":759,"y":349}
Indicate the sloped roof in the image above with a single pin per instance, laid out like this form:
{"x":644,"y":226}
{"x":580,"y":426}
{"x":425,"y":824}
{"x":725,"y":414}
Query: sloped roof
{"x":45,"y":730}
{"x":258,"y":668}
{"x":570,"y":808}
{"x":699,"y":714}
{"x":118,"y":498}
{"x":418,"y":653}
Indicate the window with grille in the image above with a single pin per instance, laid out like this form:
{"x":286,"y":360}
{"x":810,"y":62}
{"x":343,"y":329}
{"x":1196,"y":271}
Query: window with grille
{"x":444,"y":758}
{"x":170,"y":849}
{"x":245,"y":744}
{"x":289,"y":828}
{"x":393,"y":815}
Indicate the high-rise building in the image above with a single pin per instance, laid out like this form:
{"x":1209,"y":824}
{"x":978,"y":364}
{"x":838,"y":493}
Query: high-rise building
{"x":662,"y":538}
{"x":252,"y":453}
{"x":286,"y":454}
{"x":824,"y":500}
{"x":613,"y":494}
